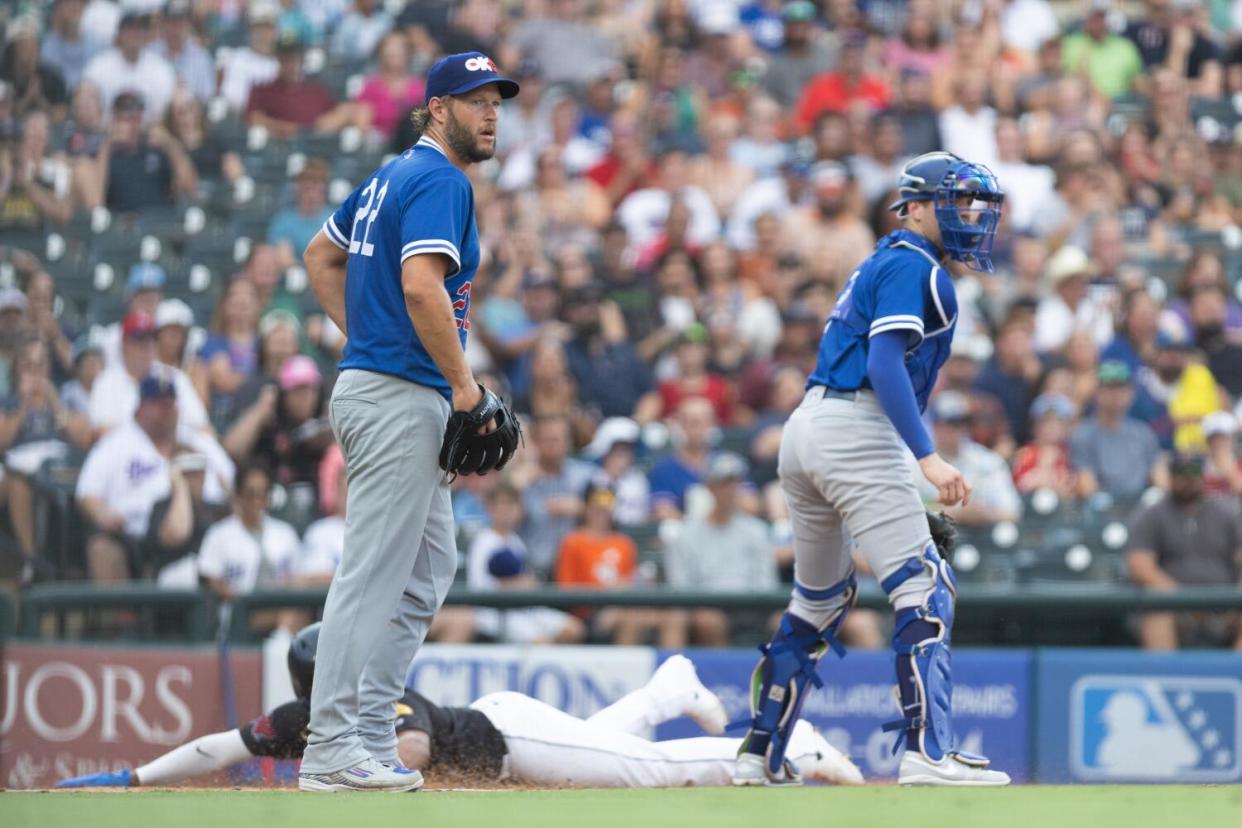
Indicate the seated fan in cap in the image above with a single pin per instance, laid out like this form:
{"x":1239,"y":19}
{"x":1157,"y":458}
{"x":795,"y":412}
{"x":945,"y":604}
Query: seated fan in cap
{"x":498,"y":559}
{"x":287,"y":427}
{"x":128,"y":470}
{"x":596,"y":555}
{"x":37,"y":428}
{"x":292,"y":103}
{"x":115,"y":393}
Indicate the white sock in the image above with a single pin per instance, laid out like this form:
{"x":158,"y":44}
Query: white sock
{"x":204,"y":755}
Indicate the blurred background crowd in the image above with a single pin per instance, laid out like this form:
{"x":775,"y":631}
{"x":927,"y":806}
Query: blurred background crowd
{"x":679,"y":192}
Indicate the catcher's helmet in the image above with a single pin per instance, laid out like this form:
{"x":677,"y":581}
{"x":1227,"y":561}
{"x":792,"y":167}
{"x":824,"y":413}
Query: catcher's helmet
{"x":302,"y":660}
{"x":966,"y":230}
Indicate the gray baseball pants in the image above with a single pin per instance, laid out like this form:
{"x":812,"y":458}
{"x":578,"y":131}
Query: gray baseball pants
{"x":844,"y":468}
{"x":399,"y":561}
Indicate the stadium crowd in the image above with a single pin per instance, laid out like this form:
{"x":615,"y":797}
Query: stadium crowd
{"x":679,"y":194}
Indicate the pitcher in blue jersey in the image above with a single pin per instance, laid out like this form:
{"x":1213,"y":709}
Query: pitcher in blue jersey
{"x":844,"y":468}
{"x":393,"y":268}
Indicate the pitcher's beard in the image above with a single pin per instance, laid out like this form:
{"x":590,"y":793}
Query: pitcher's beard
{"x":464,"y":143}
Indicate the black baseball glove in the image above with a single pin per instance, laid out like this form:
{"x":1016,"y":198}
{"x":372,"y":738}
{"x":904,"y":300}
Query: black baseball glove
{"x":944,"y":533}
{"x":466,"y":451}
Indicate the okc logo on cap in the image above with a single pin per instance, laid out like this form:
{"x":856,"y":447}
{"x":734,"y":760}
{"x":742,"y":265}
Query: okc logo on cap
{"x":482,"y":63}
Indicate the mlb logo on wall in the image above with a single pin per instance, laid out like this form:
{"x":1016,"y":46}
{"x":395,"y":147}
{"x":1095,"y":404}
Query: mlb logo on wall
{"x":1156,"y":729}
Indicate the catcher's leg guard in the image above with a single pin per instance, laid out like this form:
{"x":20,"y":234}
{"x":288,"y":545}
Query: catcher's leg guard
{"x":921,"y":641}
{"x":778,"y":685}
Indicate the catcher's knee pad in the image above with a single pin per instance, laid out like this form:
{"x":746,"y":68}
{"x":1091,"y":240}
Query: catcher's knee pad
{"x":921,"y":642}
{"x":780,"y":680}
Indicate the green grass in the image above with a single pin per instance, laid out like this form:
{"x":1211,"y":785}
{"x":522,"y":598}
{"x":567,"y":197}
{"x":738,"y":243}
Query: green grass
{"x":890,"y":807}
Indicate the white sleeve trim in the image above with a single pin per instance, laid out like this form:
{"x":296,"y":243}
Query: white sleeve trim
{"x":935,"y":292}
{"x":899,"y":326}
{"x":418,"y":248}
{"x":900,"y":320}
{"x":946,"y":322}
{"x":918,"y":250}
{"x":334,"y":234}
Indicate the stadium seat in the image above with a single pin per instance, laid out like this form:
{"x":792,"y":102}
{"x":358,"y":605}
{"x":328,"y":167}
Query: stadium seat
{"x":977,"y":560}
{"x":269,"y":164}
{"x":1167,"y":271}
{"x":1064,"y":555}
{"x":297,"y":505}
{"x":1043,"y":509}
{"x":646,"y":537}
{"x":172,"y":225}
{"x":735,"y":439}
{"x":59,"y":524}
{"x":32,"y":241}
{"x":1131,"y":107}
{"x":120,"y":244}
{"x":103,"y":308}
{"x":74,"y":275}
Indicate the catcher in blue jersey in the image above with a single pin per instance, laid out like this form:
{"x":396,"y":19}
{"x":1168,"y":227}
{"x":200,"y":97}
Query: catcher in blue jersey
{"x":844,"y":468}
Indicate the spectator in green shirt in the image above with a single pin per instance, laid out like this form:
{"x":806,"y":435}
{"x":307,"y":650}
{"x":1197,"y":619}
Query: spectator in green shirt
{"x":1110,"y":61}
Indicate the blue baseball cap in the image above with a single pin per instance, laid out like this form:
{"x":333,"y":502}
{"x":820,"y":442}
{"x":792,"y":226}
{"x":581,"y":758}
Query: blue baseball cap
{"x":1114,"y":372}
{"x":458,"y":74}
{"x":145,"y":276}
{"x":1174,"y":339}
{"x":950,"y":407}
{"x":506,"y":563}
{"x":1052,"y":403}
{"x":157,"y":386}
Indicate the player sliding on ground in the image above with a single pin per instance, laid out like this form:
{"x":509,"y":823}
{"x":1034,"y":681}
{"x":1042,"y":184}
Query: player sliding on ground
{"x":511,"y":736}
{"x":843,"y":467}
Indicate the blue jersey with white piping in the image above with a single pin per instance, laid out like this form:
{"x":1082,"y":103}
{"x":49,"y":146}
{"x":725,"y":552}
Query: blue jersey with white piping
{"x":901,"y":286}
{"x":418,"y":203}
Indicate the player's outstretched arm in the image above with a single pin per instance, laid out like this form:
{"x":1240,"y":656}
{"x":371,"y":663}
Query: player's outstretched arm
{"x":205,"y":754}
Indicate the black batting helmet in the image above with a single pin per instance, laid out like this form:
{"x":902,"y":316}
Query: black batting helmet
{"x":302,"y":660}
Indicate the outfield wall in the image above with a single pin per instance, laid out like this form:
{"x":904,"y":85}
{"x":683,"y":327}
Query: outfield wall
{"x":1050,"y":715}
{"x":67,"y":710}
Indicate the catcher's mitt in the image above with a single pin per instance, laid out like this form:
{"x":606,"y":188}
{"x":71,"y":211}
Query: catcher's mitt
{"x":466,"y":451}
{"x":944,"y":533}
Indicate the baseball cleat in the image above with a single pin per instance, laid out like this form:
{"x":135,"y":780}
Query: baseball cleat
{"x":826,"y":763}
{"x":751,"y":770}
{"x":120,"y":779}
{"x":954,"y":769}
{"x":677,"y":679}
{"x":365,"y":776}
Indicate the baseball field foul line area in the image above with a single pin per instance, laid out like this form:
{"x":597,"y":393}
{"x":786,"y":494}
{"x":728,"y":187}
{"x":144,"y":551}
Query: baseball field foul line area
{"x":1017,"y":807}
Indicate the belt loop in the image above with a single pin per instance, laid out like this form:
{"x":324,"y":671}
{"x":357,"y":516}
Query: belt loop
{"x":833,"y":394}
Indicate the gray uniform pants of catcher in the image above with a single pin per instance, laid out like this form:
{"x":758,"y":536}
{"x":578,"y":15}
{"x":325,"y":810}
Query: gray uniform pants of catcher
{"x":399,"y":560}
{"x":844,"y":468}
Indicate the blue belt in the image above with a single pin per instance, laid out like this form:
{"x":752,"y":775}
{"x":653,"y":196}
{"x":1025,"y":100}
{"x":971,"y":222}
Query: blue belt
{"x":834,"y":394}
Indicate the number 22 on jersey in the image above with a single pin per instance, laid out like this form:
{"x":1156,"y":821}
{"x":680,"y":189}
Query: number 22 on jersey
{"x":367,"y":213}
